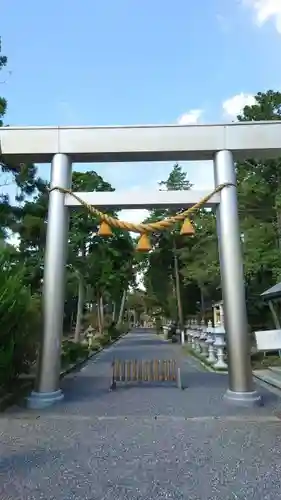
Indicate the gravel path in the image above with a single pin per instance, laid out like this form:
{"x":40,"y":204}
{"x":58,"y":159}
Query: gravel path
{"x":142,"y":442}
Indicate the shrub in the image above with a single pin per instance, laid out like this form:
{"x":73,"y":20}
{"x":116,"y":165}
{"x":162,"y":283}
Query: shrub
{"x":72,"y":352}
{"x":172,"y":332}
{"x":124,"y":328}
{"x":20,"y":322}
{"x":113,"y":331}
{"x":158,"y":325}
{"x":104,"y":339}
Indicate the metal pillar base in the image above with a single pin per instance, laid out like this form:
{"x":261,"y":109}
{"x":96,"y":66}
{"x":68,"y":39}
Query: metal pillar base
{"x":40,"y":400}
{"x":246,"y":399}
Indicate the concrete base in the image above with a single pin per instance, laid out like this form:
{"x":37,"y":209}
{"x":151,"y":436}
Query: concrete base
{"x":248,"y":399}
{"x":40,"y":400}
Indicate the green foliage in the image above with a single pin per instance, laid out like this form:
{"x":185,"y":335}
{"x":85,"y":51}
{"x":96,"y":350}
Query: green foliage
{"x":20,"y":321}
{"x":158,"y":325}
{"x":113,"y":331}
{"x":177,"y":180}
{"x":259,"y":190}
{"x":104,"y":339}
{"x":3,"y":102}
{"x":73,"y":352}
{"x":261,"y":361}
{"x":159,"y":265}
{"x":123,"y":328}
{"x":259,"y":196}
{"x":106,"y":264}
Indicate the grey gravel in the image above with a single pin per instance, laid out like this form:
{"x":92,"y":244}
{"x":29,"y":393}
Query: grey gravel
{"x":142,"y":442}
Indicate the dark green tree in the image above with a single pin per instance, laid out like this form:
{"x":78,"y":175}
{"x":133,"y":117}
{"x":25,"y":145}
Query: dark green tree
{"x":99,"y":268}
{"x":23,"y":176}
{"x":163,"y":275}
{"x":259,"y":188}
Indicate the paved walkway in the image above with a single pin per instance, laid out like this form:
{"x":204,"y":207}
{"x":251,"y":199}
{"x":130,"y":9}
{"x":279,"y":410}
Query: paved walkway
{"x":142,"y":442}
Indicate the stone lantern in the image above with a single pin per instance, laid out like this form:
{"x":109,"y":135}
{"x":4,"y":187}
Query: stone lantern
{"x":202,"y":340}
{"x":219,"y":345}
{"x":210,"y":342}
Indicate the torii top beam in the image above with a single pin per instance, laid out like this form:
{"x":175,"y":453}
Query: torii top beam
{"x":142,"y":142}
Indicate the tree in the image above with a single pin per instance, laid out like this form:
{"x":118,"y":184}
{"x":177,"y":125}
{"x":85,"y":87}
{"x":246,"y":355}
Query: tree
{"x":200,"y":261}
{"x":3,"y":102}
{"x":83,"y":229}
{"x":23,"y":176}
{"x":259,"y":190}
{"x":261,"y":195}
{"x":98,"y":268}
{"x":19,"y":307}
{"x":163,"y":277}
{"x":104,"y":265}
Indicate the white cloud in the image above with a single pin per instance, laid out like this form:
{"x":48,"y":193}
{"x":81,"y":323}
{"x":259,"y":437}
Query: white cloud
{"x":223,"y":23}
{"x":200,"y":174}
{"x":135,"y":216}
{"x":266,"y":10}
{"x":235,"y":105}
{"x":192,"y":117}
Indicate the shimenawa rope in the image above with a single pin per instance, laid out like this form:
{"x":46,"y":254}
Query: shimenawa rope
{"x":142,"y":228}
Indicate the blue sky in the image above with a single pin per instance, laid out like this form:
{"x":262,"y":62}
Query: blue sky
{"x":107,"y":62}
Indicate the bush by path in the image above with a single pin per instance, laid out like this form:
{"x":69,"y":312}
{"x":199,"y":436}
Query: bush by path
{"x":19,"y":322}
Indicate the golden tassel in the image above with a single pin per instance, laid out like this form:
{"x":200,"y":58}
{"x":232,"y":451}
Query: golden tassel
{"x":143,"y":244}
{"x":187,"y":228}
{"x":104,"y":229}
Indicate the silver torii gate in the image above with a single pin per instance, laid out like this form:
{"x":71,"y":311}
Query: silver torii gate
{"x":221,"y":143}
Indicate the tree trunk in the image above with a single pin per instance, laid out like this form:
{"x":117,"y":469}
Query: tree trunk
{"x":135,"y":318}
{"x":277,"y":207}
{"x":122,"y":308}
{"x":80,"y":307}
{"x":71,"y":321}
{"x":278,"y":220}
{"x":202,"y":302}
{"x":274,"y":315}
{"x":113,"y":310}
{"x":178,"y":293}
{"x":98,"y":314}
{"x":101,"y":311}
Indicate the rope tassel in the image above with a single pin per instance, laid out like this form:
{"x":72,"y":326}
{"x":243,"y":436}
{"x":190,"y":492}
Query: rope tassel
{"x":105,"y":229}
{"x":187,"y":228}
{"x":144,"y":244}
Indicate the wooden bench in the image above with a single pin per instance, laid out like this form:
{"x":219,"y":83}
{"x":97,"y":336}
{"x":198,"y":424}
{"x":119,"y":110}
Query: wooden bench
{"x":268,"y":340}
{"x":165,"y":370}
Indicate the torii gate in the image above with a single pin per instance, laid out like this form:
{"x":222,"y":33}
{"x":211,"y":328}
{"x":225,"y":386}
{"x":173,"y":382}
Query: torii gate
{"x":221,"y":143}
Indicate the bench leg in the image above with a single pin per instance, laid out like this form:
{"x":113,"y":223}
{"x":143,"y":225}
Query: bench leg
{"x":113,"y":386}
{"x":179,"y":382}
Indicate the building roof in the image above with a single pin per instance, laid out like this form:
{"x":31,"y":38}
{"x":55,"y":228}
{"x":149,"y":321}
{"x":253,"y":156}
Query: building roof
{"x":272,"y":293}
